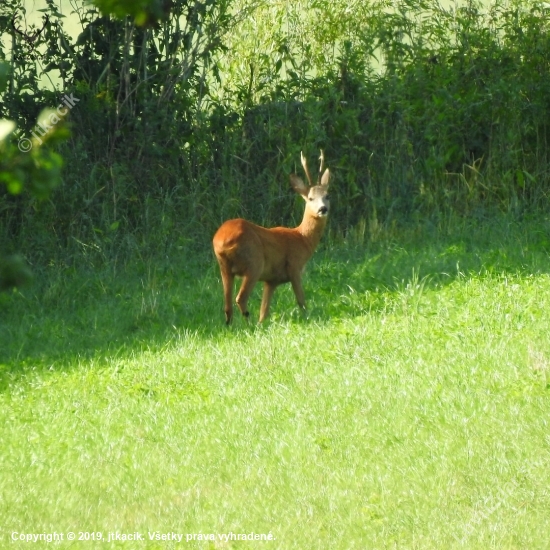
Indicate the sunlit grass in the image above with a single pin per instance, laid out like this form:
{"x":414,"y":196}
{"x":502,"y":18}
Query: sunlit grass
{"x":409,"y":410}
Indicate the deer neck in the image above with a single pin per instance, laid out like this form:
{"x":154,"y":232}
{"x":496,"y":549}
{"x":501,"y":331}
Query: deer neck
{"x":312,"y":228}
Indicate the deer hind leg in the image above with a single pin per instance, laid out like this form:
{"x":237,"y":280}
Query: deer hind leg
{"x":269,"y":289}
{"x":249,"y":282}
{"x":227,"y":281}
{"x":244,"y":293}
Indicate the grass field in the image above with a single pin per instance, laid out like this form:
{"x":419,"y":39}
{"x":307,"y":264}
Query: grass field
{"x":410,"y":409}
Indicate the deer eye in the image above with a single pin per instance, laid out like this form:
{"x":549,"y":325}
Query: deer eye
{"x":327,"y":197}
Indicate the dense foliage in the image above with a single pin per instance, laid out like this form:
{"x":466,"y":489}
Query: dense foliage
{"x":198,"y":113}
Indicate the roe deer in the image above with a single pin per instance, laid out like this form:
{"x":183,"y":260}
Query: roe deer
{"x":274,"y":256}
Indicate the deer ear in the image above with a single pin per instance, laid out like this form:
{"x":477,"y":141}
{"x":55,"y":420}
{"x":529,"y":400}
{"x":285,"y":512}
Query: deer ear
{"x":299,"y":186}
{"x":326,"y":177}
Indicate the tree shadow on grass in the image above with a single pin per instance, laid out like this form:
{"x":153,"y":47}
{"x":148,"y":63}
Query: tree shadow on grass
{"x":72,"y":316}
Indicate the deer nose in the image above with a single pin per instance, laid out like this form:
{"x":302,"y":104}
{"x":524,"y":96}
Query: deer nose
{"x":323,"y":210}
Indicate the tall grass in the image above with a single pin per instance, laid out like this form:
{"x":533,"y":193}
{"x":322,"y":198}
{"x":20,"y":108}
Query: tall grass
{"x":422,"y":111}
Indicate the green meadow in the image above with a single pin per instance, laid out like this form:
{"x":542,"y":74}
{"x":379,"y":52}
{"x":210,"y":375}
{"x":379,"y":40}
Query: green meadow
{"x":408,"y":409}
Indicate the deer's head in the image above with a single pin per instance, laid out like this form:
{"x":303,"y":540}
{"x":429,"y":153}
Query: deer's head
{"x":316,"y":196}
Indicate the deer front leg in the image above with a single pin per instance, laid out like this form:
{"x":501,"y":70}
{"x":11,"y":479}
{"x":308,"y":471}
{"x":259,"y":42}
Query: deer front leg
{"x":296,"y":281}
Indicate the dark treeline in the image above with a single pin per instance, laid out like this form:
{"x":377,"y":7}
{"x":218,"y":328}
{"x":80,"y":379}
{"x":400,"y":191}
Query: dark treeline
{"x":418,"y":116}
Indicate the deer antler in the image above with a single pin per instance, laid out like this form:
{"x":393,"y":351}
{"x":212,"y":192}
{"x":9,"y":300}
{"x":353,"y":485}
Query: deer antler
{"x":304,"y":164}
{"x":322,"y":159}
{"x":15,"y":28}
{"x":32,"y":37}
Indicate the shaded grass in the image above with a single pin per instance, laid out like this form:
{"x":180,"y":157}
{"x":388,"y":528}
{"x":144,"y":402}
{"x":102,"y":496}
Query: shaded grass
{"x":118,"y":308}
{"x":409,"y":410}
